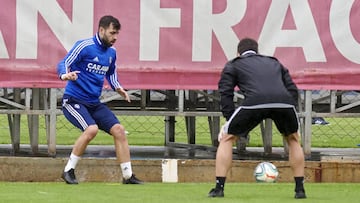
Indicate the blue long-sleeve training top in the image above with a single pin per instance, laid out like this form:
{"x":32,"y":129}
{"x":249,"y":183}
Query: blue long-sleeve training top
{"x":95,"y":62}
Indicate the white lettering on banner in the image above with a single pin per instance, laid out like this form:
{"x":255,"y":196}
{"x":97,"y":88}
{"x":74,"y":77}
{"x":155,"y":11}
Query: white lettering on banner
{"x":343,"y":38}
{"x":305,"y":35}
{"x":3,"y":50}
{"x":152,"y":18}
{"x":205,"y":22}
{"x":66,"y":31}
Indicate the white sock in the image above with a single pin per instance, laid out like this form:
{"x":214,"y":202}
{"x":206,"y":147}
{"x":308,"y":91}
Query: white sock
{"x":73,"y":160}
{"x":126,"y":170}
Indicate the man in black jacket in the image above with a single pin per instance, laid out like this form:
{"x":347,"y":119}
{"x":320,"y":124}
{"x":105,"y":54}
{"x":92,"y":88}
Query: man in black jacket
{"x":269,"y":93}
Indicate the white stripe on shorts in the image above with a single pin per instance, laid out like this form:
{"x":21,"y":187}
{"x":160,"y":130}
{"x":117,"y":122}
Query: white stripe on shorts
{"x":76,"y":115}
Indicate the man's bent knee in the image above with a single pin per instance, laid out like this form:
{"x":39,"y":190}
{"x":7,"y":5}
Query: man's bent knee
{"x":294,"y":137}
{"x":91,"y":131}
{"x":118,"y":131}
{"x":228,"y":138}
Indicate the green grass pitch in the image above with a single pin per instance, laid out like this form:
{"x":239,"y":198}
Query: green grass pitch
{"x":174,"y":192}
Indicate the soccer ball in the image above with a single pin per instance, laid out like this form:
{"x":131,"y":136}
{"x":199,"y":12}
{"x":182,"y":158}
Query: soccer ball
{"x":266,"y":172}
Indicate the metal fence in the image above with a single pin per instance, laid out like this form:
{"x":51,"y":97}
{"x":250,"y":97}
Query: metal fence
{"x":36,"y":112}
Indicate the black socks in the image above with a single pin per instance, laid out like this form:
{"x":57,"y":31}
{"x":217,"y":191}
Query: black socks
{"x":220,"y":182}
{"x":299,"y":184}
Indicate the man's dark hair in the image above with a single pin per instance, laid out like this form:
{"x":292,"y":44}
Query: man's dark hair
{"x":106,"y":21}
{"x":247,"y":44}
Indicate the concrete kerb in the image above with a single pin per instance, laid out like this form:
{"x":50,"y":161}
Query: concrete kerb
{"x":335,"y":165}
{"x":35,"y":169}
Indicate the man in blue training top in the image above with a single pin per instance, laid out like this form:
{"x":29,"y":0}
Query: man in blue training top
{"x":84,"y":68}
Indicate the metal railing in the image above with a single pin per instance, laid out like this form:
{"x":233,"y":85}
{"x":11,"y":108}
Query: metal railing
{"x":35,"y":102}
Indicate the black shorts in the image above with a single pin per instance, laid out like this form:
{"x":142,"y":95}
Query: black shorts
{"x":245,"y":118}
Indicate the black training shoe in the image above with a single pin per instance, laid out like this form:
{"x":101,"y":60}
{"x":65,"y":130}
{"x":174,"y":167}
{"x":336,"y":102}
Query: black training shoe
{"x":300,"y":195}
{"x":215,"y":192}
{"x":69,"y":177}
{"x":132,"y":180}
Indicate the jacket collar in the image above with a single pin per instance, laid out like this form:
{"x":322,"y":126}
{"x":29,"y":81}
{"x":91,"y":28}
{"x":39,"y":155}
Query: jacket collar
{"x":98,"y":41}
{"x":248,"y":52}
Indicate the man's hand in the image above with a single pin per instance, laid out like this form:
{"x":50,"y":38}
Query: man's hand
{"x":224,"y":137}
{"x":70,"y":75}
{"x":124,"y":94}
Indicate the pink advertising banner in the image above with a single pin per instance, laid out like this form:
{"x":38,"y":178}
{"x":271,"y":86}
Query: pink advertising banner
{"x":172,"y":44}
